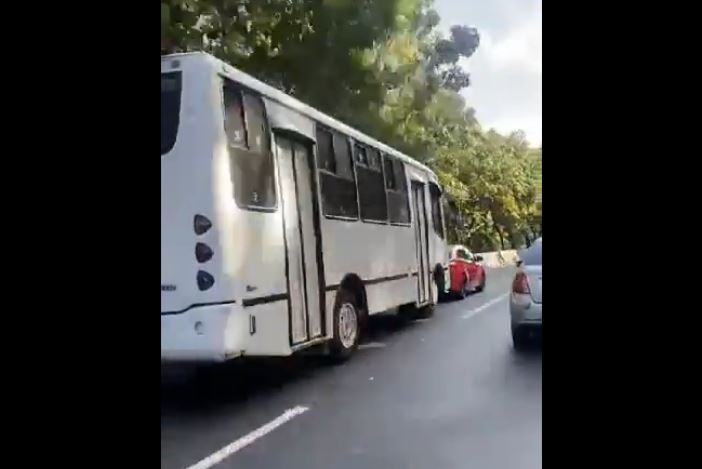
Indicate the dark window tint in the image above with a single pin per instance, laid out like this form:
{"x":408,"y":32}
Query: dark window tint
{"x":342,"y":152}
{"x":251,"y":160}
{"x":400,"y":176}
{"x":398,"y":208}
{"x":390,"y":183}
{"x":374,"y":159}
{"x":234,"y":116}
{"x":338,"y":185}
{"x":170,"y":109}
{"x":371,"y":194}
{"x":436,"y":209}
{"x":338,"y":196}
{"x":256,"y":129}
{"x":531,"y":256}
{"x":361,"y":155}
{"x":371,"y":187}
{"x":398,"y":199}
{"x":325,"y":151}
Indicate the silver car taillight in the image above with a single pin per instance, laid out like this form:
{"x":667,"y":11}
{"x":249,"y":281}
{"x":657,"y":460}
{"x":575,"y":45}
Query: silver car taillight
{"x":521,"y":284}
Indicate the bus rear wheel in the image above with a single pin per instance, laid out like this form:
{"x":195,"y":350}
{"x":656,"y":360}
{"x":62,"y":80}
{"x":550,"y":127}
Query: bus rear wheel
{"x":347,"y":326}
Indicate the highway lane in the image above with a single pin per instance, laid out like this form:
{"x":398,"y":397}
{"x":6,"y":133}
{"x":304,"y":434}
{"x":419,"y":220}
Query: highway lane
{"x":448,"y":392}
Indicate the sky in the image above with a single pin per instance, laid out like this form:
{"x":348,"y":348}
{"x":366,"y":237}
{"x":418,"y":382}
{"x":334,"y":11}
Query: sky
{"x":505,"y":71}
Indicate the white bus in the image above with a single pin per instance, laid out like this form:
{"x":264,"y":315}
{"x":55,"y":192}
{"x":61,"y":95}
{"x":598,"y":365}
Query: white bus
{"x":282,"y":228}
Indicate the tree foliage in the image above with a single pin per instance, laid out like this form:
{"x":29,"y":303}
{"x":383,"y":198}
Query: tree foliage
{"x":383,"y":67}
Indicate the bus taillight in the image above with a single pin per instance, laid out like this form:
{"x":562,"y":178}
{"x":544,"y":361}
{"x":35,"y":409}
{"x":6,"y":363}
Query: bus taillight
{"x":203,"y":252}
{"x":201,"y":224}
{"x":205,"y":280}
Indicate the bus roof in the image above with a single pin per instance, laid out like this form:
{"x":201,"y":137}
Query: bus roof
{"x":296,"y":105}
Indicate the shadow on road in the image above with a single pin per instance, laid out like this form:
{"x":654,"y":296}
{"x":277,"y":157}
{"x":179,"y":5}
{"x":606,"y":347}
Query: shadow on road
{"x":195,"y":390}
{"x":236,"y":382}
{"x":530,"y":354}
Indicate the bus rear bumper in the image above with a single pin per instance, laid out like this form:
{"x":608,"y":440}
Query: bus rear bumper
{"x":196,"y":335}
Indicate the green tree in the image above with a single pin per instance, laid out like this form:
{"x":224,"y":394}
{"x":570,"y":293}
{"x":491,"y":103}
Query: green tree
{"x":382,"y":67}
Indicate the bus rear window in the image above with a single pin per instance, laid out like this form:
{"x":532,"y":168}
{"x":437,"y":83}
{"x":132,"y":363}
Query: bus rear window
{"x":249,"y":148}
{"x":170,"y":109}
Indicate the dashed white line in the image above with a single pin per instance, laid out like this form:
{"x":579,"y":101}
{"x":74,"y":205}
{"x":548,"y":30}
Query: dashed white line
{"x":475,"y":311}
{"x":222,"y":454}
{"x":235,"y":446}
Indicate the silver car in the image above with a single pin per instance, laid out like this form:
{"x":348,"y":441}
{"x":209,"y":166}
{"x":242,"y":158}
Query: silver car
{"x":525,"y":299}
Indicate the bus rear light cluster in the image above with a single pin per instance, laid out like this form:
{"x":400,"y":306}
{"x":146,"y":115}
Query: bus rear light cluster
{"x":203,"y":253}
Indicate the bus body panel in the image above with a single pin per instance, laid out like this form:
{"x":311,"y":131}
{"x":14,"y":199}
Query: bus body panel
{"x":249,"y":254}
{"x":189,"y":187}
{"x":198,"y":335}
{"x":377,"y":253}
{"x":271,"y":336}
{"x":247,"y":310}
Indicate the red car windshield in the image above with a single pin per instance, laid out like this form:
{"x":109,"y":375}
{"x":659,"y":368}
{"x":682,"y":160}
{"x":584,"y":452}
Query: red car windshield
{"x":464,"y":254}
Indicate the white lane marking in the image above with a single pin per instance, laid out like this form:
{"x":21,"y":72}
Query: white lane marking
{"x":222,"y":454}
{"x":371,"y":345}
{"x":475,"y":311}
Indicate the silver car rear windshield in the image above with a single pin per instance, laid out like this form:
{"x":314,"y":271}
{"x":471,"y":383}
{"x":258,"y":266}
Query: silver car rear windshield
{"x":531,"y":256}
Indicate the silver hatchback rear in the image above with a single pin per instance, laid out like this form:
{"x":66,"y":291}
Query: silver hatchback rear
{"x":525,"y":298}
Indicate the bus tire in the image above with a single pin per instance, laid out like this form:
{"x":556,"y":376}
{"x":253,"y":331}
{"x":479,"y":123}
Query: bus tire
{"x":347,"y":321}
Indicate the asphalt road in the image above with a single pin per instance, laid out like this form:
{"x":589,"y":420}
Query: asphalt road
{"x":448,"y":392}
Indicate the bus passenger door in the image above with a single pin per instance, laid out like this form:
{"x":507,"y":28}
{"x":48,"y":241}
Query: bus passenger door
{"x":304,"y":271}
{"x":421,"y":236}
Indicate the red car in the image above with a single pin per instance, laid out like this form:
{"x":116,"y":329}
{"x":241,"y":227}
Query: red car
{"x":467,"y":275}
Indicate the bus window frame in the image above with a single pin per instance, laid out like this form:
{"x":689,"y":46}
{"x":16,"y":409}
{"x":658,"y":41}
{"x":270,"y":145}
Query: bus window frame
{"x":393,"y":161}
{"x":350,"y":147}
{"x":224,"y":79}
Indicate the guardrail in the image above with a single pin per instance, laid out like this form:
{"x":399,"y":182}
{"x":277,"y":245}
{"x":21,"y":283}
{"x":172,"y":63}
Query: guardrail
{"x":499,"y":258}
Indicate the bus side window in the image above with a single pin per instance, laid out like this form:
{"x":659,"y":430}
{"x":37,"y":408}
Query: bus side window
{"x":361,"y":156}
{"x":436,"y":209}
{"x":371,"y":187}
{"x":390,"y":183}
{"x":325,"y":151}
{"x":342,"y":152}
{"x":396,"y":189}
{"x":338,"y":184}
{"x":374,"y":159}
